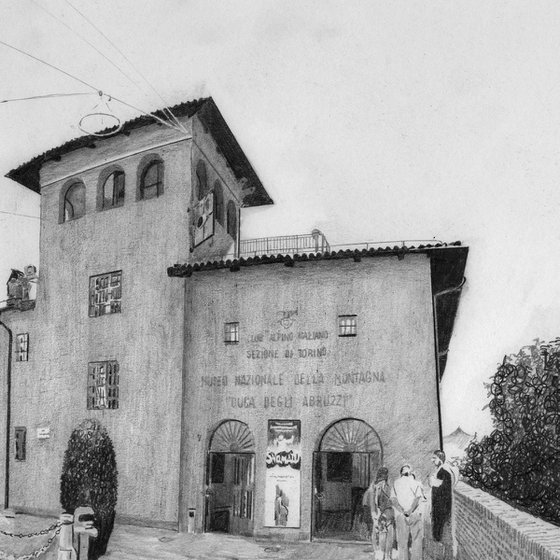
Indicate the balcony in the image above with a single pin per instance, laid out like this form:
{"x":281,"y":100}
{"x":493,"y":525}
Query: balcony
{"x":314,"y":242}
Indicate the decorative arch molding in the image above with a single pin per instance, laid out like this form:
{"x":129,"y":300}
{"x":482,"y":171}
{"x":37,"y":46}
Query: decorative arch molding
{"x":76,"y":186}
{"x":350,"y":435}
{"x":232,"y":436}
{"x":145,"y":163}
{"x":103,"y":176}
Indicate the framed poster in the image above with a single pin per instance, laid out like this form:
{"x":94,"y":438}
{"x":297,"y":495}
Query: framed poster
{"x":283,"y":474}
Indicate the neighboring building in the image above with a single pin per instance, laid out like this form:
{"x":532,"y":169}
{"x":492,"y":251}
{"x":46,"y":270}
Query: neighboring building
{"x":258,"y":395}
{"x":455,"y":445}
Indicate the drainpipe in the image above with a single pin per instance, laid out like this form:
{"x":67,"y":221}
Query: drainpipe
{"x":8,"y":415}
{"x":436,"y":345}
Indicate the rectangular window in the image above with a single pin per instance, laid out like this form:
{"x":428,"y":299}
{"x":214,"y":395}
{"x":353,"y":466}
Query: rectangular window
{"x":231,"y":333}
{"x":347,"y":325}
{"x":21,"y":443}
{"x":103,"y":385}
{"x":105,"y":293}
{"x":22,"y":347}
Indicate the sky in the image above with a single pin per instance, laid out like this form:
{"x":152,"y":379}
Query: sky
{"x":370,"y":120}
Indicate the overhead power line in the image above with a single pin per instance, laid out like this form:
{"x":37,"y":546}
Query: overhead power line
{"x":166,"y":108}
{"x":45,"y":96}
{"x":99,"y":91}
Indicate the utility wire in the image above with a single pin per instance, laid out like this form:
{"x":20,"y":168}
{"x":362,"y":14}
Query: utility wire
{"x":87,"y":42}
{"x":161,"y":121}
{"x":46,"y":96}
{"x":166,"y":109}
{"x":49,"y":65}
{"x":22,"y":215}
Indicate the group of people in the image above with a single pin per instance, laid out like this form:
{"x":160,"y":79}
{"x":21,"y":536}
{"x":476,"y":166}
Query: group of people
{"x":397,"y":508}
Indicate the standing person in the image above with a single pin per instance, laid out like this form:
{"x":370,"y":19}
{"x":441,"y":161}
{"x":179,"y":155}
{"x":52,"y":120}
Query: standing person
{"x":377,"y":499}
{"x":406,"y":496}
{"x":383,"y":514}
{"x":441,"y":482}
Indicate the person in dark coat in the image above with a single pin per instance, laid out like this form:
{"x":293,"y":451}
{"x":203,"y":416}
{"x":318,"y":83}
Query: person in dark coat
{"x":441,"y":482}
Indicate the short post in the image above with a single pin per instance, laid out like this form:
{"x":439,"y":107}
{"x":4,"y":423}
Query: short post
{"x":84,"y":530}
{"x":66,"y":549}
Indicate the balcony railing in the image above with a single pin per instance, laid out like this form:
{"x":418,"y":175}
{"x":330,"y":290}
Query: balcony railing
{"x":314,"y":242}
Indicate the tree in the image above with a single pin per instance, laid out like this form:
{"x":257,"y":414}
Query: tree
{"x":519,"y":462}
{"x":89,"y":478}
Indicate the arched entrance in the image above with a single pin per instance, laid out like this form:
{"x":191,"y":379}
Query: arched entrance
{"x":349,"y":455}
{"x":230,"y":474}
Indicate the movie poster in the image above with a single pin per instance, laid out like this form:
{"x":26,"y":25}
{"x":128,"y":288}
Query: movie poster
{"x":283,"y":471}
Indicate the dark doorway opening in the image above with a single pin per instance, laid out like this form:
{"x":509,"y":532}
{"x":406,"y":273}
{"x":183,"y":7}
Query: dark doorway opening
{"x":347,"y":461}
{"x":230,"y":476}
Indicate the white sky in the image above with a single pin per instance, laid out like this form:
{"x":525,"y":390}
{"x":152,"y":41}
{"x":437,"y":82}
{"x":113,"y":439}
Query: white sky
{"x":370,"y":120}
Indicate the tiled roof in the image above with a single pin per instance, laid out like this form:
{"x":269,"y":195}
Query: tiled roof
{"x":186,"y":270}
{"x":28,"y":173}
{"x":447,"y":266}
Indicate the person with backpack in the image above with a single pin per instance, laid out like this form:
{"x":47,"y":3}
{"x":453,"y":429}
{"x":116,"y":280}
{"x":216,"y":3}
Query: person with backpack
{"x":378,"y":498}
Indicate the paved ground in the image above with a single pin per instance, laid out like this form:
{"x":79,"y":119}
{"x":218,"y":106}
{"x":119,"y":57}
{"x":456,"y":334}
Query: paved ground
{"x":139,"y":543}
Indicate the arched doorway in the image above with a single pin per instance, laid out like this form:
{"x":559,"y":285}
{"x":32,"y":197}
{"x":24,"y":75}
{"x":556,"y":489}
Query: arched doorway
{"x":230,"y":474}
{"x":348,"y":457}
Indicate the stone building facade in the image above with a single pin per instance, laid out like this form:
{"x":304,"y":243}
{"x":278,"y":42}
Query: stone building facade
{"x":255,"y":396}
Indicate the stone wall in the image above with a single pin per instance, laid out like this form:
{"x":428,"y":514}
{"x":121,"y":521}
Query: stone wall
{"x":488,"y":529}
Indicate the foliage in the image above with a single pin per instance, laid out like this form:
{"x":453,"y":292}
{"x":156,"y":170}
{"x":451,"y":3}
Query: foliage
{"x":519,"y":462}
{"x":89,"y":478}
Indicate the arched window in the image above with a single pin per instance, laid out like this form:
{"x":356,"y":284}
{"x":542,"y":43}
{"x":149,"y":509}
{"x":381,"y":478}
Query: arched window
{"x":350,"y":435}
{"x":113,"y":190}
{"x":151,"y":180}
{"x":201,"y":180}
{"x":219,"y":202}
{"x":232,"y":436}
{"x":232,"y":219}
{"x":74,"y":201}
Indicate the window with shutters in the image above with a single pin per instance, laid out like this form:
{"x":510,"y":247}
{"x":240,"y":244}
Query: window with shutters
{"x":105,"y":292}
{"x":20,"y":437}
{"x":22,"y":347}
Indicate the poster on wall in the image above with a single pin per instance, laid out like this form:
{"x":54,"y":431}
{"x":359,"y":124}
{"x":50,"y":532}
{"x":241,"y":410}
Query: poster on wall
{"x":283,"y":474}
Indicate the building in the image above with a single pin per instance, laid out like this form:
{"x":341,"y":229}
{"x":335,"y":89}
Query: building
{"x":254,"y":395}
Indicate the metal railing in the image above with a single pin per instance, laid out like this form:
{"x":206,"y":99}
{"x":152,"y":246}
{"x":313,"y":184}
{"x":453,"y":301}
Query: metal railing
{"x":314,"y":242}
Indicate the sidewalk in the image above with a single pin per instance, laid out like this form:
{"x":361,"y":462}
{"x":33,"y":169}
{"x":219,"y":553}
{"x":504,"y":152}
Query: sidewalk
{"x":130,"y":542}
{"x":138,"y":543}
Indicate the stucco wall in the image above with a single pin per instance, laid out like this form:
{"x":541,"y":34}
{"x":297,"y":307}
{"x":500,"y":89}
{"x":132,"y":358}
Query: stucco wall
{"x":141,"y":238}
{"x":394,"y":349}
{"x":488,"y":529}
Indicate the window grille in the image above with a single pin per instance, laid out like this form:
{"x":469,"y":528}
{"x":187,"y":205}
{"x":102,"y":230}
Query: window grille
{"x":22,"y":347}
{"x":105,"y":292}
{"x":231,"y":333}
{"x":20,"y":434}
{"x":103,"y":385}
{"x":347,"y":325}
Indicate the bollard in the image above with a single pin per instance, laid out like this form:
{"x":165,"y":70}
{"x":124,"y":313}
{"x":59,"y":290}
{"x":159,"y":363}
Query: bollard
{"x":83,"y":530}
{"x":66,"y":549}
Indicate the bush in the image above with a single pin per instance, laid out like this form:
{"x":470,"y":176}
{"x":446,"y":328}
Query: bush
{"x":519,"y":462}
{"x":89,"y":478}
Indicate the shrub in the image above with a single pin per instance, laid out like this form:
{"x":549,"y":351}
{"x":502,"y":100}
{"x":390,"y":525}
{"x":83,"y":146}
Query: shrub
{"x":89,"y":478}
{"x":519,"y":462}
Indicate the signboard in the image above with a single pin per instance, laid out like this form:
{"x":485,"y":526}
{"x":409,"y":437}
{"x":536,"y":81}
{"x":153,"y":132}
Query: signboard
{"x":283,"y":474}
{"x":43,"y":433}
